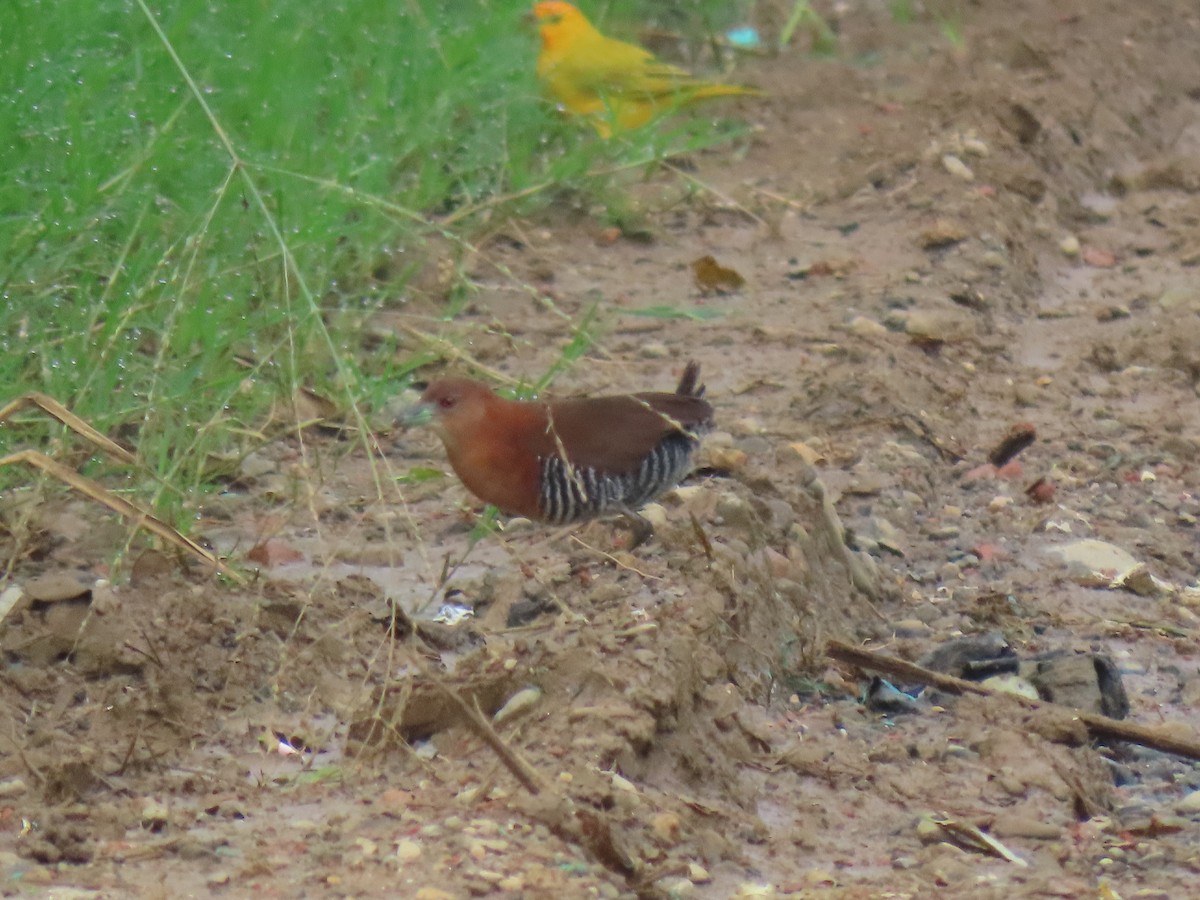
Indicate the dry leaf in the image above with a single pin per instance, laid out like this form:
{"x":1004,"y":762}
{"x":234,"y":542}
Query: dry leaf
{"x":712,"y":277}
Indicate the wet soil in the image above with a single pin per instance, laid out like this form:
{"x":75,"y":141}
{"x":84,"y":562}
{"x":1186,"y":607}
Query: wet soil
{"x":940,"y":242}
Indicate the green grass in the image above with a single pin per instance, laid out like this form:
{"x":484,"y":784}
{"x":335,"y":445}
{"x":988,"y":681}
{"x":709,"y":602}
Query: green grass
{"x":203,"y":202}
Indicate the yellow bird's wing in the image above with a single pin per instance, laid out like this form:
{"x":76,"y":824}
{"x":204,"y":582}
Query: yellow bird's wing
{"x":617,"y":69}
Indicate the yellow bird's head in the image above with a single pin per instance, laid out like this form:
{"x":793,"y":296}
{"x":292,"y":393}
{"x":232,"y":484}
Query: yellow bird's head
{"x":558,"y":22}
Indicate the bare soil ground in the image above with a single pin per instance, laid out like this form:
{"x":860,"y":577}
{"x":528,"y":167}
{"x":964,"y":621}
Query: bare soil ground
{"x":939,"y":243}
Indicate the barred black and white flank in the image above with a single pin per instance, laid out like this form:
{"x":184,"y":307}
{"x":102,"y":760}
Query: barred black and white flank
{"x":573,"y":493}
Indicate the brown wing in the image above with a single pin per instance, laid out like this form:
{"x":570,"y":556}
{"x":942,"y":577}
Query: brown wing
{"x":614,"y":434}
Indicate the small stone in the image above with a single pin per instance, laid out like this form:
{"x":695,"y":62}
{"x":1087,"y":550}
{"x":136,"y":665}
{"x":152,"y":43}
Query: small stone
{"x":1180,"y":297}
{"x":655,"y":350}
{"x":1189,"y":804}
{"x":1011,"y":683}
{"x":929,"y":831}
{"x":655,"y":514}
{"x":676,"y":886}
{"x":942,"y":233}
{"x":408,"y":851}
{"x":698,"y":874}
{"x":55,"y":587}
{"x":154,"y":814}
{"x":666,"y":826}
{"x":520,"y":703}
{"x":12,"y":787}
{"x":945,"y":532}
{"x":256,"y":464}
{"x":973,"y":146}
{"x":957,"y":167}
{"x":1070,"y":246}
{"x":751,"y":890}
{"x":1008,"y":824}
{"x":939,"y":325}
{"x":1026,"y":394}
{"x":1093,"y":561}
{"x":747,"y":425}
{"x":736,"y":511}
{"x":729,"y":459}
{"x":865,"y":327}
{"x":911,"y":628}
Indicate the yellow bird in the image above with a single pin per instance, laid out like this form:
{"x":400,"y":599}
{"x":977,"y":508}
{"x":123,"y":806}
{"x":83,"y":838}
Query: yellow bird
{"x":614,"y":85}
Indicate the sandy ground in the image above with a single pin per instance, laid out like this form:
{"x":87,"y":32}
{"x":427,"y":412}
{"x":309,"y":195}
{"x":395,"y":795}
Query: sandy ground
{"x":941,"y":245}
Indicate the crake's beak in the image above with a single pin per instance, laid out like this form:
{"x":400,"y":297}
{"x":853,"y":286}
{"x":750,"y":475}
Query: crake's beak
{"x":416,"y":416}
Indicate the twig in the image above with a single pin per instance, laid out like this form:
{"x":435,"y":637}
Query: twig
{"x":723,"y":197}
{"x":122,"y":507}
{"x":529,"y":777}
{"x":447,"y":350}
{"x":612,"y":559}
{"x":1098,"y":726}
{"x":594,"y":830}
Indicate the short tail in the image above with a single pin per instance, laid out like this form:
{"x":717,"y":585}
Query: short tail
{"x":688,"y":386}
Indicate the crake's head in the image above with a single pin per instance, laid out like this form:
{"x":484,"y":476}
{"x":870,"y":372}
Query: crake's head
{"x":459,"y":407}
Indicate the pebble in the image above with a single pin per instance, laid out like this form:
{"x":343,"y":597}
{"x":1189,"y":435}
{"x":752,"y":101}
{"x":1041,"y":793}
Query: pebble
{"x":1093,"y":560}
{"x":911,"y":628}
{"x":942,"y":233}
{"x":676,"y":886}
{"x":1026,"y":394}
{"x":698,"y":874}
{"x":655,"y":350}
{"x":154,"y":814}
{"x":518,"y":704}
{"x":408,"y":851}
{"x":12,"y":787}
{"x":753,"y":889}
{"x":748,"y":425}
{"x":1180,"y":297}
{"x":929,"y":831}
{"x":939,"y":325}
{"x":736,"y":511}
{"x":55,"y":587}
{"x":655,"y":514}
{"x":256,"y":464}
{"x":957,"y":167}
{"x":864,"y":327}
{"x":1069,"y":246}
{"x":666,"y":826}
{"x":1189,"y":804}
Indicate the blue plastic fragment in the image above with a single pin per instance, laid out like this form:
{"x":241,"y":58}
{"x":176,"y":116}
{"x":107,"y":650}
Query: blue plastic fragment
{"x":744,"y":36}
